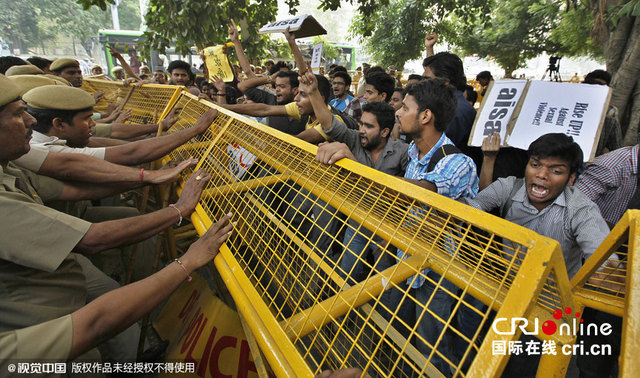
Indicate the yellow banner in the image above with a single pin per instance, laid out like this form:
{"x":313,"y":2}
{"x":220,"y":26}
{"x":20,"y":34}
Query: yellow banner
{"x":218,"y":63}
{"x":203,"y":331}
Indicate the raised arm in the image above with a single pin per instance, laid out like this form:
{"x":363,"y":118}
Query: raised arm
{"x":429,"y":41}
{"x":235,"y":38}
{"x":256,"y":81}
{"x":291,"y":39}
{"x":309,"y":87}
{"x":123,"y":63}
{"x":147,"y":150}
{"x":490,"y":149}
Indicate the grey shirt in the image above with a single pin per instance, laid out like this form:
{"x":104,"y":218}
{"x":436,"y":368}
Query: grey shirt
{"x":572,"y":219}
{"x":393,"y":159}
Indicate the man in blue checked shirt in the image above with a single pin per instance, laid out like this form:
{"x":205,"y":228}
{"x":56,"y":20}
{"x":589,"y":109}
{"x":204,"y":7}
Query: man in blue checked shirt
{"x":428,"y":108}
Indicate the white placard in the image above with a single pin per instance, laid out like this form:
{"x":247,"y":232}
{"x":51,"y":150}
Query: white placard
{"x":316,"y":58}
{"x":497,"y":108}
{"x":304,"y":26}
{"x":240,"y":160}
{"x":569,"y":108}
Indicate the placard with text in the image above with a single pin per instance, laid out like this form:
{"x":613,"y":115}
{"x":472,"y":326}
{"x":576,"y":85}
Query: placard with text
{"x":523,"y":111}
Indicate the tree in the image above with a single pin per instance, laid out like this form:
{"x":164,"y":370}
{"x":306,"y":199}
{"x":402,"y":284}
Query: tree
{"x":617,"y":28}
{"x":395,"y":33}
{"x":518,"y":30}
{"x":19,"y":25}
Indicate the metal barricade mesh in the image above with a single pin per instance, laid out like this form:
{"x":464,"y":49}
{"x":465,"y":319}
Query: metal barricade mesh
{"x":601,"y":282}
{"x":300,"y":222}
{"x":114,"y":91}
{"x":341,"y":266}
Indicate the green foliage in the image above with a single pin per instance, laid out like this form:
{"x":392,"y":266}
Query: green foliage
{"x":395,"y":33}
{"x":102,"y":4}
{"x":18,"y":25}
{"x":329,"y":51}
{"x":518,"y":30}
{"x":572,"y":34}
{"x":188,"y":23}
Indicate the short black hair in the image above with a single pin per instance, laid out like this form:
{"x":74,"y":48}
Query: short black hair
{"x":257,"y":95}
{"x":276,"y":67}
{"x":448,"y":66}
{"x":231,"y":94}
{"x":559,"y":146}
{"x":593,"y":77}
{"x":339,"y":69}
{"x":416,"y":77}
{"x":179,"y":64}
{"x":44,"y":117}
{"x":376,"y":69}
{"x":383,"y":83}
{"x":438,"y":96}
{"x":40,"y":62}
{"x":399,"y":89}
{"x":385,"y":114}
{"x":345,"y":76}
{"x":293,"y":78}
{"x":484,"y":75}
{"x":324,"y":87}
{"x":472,"y":95}
{"x":9,"y":61}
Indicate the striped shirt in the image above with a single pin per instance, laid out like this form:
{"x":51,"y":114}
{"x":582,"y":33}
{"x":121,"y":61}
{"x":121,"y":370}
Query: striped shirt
{"x":572,"y":219}
{"x":610,"y":181}
{"x":455,"y":176}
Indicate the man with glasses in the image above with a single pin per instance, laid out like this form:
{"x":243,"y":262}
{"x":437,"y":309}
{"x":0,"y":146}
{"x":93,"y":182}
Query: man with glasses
{"x":341,"y":83}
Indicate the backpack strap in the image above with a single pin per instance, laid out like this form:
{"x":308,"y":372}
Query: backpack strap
{"x":444,"y":150}
{"x":516,"y":186}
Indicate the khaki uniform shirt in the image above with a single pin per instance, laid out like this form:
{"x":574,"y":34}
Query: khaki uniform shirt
{"x":40,"y":279}
{"x":49,"y":341}
{"x":102,"y":130}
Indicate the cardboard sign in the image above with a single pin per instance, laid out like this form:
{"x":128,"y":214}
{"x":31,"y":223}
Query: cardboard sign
{"x":523,"y":114}
{"x":218,"y":63}
{"x":240,"y":160}
{"x":316,"y":58}
{"x":496,"y":109}
{"x":203,"y":331}
{"x":304,"y":26}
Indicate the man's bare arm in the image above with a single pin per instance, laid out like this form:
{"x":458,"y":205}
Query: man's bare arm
{"x":130,"y":131}
{"x":105,"y":142}
{"x":253,"y":82}
{"x":291,"y":39}
{"x":235,"y":38}
{"x":423,"y":183}
{"x":147,"y":150}
{"x":110,"y":234}
{"x":258,"y":110}
{"x":84,"y":168}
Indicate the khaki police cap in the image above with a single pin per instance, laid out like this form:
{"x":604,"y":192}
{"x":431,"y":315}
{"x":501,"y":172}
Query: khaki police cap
{"x":58,"y":97}
{"x":61,"y":63}
{"x":116,"y":69}
{"x":59,"y":79}
{"x":10,"y":91}
{"x":28,"y":82}
{"x":28,"y":69}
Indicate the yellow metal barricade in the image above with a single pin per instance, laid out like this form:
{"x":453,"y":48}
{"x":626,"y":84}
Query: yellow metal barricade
{"x":282,"y":262}
{"x":431,"y":313}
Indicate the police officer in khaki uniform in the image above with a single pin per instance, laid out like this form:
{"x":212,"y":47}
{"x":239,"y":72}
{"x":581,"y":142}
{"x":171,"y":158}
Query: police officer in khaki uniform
{"x":40,"y":277}
{"x":28,"y":69}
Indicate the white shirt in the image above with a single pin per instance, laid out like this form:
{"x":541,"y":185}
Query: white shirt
{"x":56,"y":144}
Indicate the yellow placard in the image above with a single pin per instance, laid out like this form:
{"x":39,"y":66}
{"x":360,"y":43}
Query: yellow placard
{"x":203,"y":331}
{"x":218,"y":63}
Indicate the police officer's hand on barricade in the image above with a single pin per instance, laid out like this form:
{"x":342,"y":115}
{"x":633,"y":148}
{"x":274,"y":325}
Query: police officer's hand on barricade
{"x":192,"y":191}
{"x":205,"y":120}
{"x":167,"y":174}
{"x":206,"y":248}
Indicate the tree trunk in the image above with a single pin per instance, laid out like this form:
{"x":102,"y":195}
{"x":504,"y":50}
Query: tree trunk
{"x":616,"y":43}
{"x":625,"y":79}
{"x":631,"y":136}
